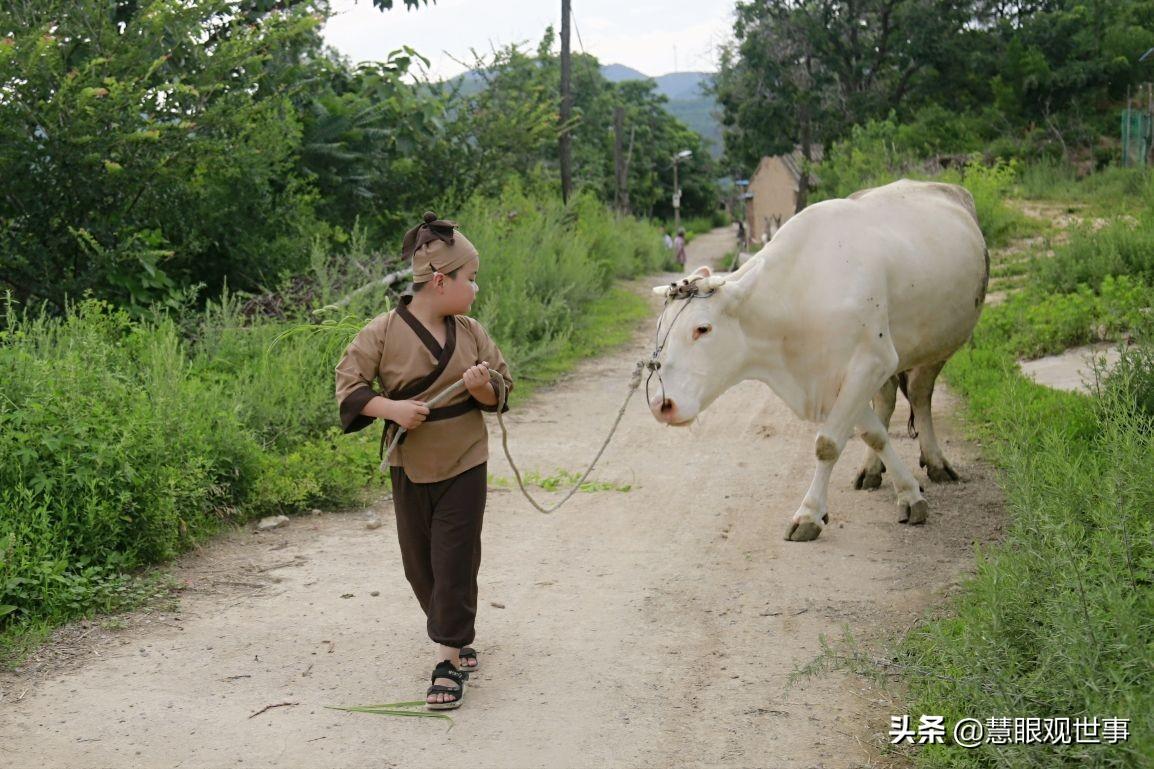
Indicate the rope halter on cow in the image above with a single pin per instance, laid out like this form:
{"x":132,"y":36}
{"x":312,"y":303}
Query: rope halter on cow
{"x":687,"y":289}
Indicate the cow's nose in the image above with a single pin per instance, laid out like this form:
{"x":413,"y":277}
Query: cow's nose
{"x":663,"y":408}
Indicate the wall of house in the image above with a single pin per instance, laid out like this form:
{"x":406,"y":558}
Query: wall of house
{"x":774,"y":198}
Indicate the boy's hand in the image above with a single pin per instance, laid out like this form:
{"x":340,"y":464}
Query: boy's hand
{"x":477,"y":378}
{"x":409,"y":414}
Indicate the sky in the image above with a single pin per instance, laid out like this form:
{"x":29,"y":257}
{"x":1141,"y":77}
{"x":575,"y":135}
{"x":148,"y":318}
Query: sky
{"x":652,"y":37}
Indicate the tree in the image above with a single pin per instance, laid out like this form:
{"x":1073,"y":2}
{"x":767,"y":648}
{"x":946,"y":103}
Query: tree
{"x":803,"y":72}
{"x":378,"y":148}
{"x":137,"y":156}
{"x":513,"y":125}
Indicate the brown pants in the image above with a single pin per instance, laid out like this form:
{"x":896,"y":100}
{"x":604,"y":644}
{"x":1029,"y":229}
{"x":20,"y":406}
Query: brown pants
{"x":439,"y":529}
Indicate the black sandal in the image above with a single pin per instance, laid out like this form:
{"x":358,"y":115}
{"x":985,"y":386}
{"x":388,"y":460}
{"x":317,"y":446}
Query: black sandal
{"x":445,"y":669}
{"x":468,"y":653}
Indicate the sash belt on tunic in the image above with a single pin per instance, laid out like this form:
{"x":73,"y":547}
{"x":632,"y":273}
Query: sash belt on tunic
{"x":434,"y":415}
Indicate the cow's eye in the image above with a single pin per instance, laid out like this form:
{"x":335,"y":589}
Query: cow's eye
{"x":702,"y":330}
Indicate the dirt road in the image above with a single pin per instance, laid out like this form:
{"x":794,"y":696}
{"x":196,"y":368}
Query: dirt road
{"x":655,"y":627}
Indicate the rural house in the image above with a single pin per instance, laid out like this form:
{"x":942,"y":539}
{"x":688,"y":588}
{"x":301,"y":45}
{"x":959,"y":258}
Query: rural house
{"x":772,"y":194}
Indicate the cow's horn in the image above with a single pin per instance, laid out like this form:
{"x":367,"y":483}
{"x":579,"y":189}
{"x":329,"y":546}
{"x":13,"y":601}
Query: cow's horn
{"x":712,"y":282}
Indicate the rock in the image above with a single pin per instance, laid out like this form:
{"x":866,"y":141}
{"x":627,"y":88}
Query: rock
{"x":373,"y":523}
{"x":315,"y":511}
{"x":375,"y":593}
{"x":272,"y":522}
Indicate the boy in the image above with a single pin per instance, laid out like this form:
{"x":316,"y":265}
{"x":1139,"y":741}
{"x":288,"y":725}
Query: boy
{"x":438,"y":470}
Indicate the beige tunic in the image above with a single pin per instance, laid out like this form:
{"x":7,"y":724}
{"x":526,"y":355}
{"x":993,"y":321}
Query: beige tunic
{"x":390,"y":352}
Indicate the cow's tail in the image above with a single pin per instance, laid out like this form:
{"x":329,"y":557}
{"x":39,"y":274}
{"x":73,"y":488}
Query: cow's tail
{"x":904,"y":384}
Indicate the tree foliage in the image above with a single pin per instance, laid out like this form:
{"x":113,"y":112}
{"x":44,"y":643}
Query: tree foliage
{"x":1051,"y":71}
{"x":513,"y":125}
{"x":145,"y":149}
{"x":152,"y":145}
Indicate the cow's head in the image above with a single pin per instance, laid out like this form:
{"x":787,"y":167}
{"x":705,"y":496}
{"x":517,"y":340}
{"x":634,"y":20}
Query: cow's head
{"x":706,"y":349}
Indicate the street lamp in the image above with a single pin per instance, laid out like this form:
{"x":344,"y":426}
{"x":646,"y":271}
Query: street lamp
{"x":683,"y":155}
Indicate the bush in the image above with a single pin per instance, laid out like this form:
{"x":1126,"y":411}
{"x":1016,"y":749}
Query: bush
{"x":1131,"y":380}
{"x":1048,"y":179}
{"x":542,"y":263}
{"x":126,"y":440}
{"x":1120,"y":248}
{"x":123,"y":446}
{"x":990,"y":185}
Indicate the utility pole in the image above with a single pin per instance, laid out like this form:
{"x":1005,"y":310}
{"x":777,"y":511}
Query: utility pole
{"x":683,"y":155}
{"x":619,"y":160}
{"x":565,"y":139}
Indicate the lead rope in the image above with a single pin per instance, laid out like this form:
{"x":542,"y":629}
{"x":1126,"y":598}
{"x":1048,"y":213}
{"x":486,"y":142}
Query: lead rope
{"x":459,"y":385}
{"x":687,"y":290}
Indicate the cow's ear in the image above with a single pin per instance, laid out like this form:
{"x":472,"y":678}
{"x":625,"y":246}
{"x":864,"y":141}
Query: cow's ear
{"x":736,"y":290}
{"x":703,"y":271}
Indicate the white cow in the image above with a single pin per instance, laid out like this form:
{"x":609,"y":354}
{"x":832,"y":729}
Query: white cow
{"x":847,"y":295}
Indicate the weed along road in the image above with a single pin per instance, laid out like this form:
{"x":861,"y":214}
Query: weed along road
{"x":655,"y":621}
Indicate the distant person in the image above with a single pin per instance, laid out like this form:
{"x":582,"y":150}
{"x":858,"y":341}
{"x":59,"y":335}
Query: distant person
{"x":666,"y":238}
{"x":740,"y":233}
{"x":679,"y":246}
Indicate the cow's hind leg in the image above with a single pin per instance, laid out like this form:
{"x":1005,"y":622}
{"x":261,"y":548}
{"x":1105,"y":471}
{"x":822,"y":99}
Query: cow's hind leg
{"x":912,"y":507}
{"x":866,"y":374}
{"x":921,"y":393}
{"x":870,"y":474}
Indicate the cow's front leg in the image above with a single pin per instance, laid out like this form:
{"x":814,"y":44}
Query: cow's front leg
{"x":865,"y":377}
{"x":870,"y":474}
{"x":809,"y":520}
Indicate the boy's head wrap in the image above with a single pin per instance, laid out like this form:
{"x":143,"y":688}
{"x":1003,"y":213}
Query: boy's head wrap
{"x":434,"y":245}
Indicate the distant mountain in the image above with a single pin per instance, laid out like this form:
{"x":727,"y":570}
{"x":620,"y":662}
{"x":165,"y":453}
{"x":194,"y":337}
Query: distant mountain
{"x":616,"y":73}
{"x":685,"y":91}
{"x":683,"y":85}
{"x":688,"y":101}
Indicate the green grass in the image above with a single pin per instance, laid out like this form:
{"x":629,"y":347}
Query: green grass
{"x":1009,"y":269}
{"x":1057,"y":619}
{"x":1120,"y":248}
{"x":1108,"y":192}
{"x":560,"y":480}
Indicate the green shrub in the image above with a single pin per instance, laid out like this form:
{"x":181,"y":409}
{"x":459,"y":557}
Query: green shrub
{"x":991,"y":185}
{"x":1055,"y":622}
{"x":1120,"y":248}
{"x":1131,"y":380}
{"x":542,"y":263}
{"x":126,"y":439}
{"x":1047,"y":179}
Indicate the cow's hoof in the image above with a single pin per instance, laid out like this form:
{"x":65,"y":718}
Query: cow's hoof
{"x":913,"y":514}
{"x":805,"y":531}
{"x":943,"y":474}
{"x":867,"y":481}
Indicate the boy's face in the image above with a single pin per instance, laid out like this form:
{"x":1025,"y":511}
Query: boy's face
{"x":459,"y":292}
